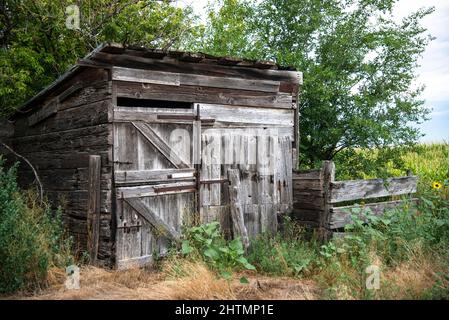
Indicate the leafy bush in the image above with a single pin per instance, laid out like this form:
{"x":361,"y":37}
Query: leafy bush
{"x":221,"y":255}
{"x":31,"y":238}
{"x":286,"y":254}
{"x":405,"y":235}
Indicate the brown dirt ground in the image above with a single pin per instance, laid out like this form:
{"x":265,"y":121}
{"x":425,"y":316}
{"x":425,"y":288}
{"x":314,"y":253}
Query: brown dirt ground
{"x":198,"y":283}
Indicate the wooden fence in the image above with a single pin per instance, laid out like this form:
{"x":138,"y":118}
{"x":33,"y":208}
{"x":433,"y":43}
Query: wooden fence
{"x":317,"y":196}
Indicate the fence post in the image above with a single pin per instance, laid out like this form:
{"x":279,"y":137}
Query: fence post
{"x":328,"y":171}
{"x":93,"y":207}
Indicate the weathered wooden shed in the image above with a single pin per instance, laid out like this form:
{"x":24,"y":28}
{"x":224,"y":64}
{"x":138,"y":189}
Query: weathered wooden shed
{"x":133,"y":142}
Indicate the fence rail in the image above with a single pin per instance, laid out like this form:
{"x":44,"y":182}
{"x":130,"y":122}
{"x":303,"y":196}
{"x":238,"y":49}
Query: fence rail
{"x":316,"y":196}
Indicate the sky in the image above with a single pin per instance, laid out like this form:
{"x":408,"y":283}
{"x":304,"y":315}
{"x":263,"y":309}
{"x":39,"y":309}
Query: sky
{"x":434,"y":64}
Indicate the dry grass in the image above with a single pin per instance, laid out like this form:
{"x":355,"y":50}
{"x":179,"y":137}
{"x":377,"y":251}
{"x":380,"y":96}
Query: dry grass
{"x":410,"y":279}
{"x":183,"y":280}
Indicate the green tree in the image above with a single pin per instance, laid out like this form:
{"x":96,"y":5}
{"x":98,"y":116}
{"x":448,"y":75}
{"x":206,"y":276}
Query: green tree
{"x":37,"y":46}
{"x":359,"y":66}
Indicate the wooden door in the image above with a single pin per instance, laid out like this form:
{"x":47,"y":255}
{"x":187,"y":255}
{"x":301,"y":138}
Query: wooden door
{"x":258,"y":142}
{"x":154,"y":156}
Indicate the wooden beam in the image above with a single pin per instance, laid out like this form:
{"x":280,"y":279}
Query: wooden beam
{"x":341,"y":216}
{"x":131,"y":115}
{"x":70,"y":91}
{"x":374,"y":188}
{"x":146,"y":76}
{"x":143,"y":210}
{"x":143,"y":176}
{"x":173,"y":65}
{"x":149,"y":190}
{"x":160,"y":144}
{"x":237,"y":207}
{"x":328,"y":174}
{"x":93,"y":207}
{"x":137,"y":262}
{"x":200,"y":94}
{"x":43,"y":113}
{"x":247,"y":116}
{"x":176,"y":79}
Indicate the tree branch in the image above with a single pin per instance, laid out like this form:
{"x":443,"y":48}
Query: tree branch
{"x":41,"y":189}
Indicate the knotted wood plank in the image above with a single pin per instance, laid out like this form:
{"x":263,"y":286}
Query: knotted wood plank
{"x":237,"y":207}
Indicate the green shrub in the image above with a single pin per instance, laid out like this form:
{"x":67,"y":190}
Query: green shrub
{"x":224,"y":256}
{"x":285,"y":254}
{"x":408,"y":234}
{"x":31,"y":237}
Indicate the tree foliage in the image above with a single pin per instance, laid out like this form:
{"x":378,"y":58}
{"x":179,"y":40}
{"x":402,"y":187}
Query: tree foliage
{"x":359,"y":63}
{"x":37,"y":46}
{"x":359,"y":66}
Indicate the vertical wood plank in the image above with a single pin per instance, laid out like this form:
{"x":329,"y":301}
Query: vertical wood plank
{"x":93,"y":207}
{"x":237,"y":207}
{"x":328,"y":177}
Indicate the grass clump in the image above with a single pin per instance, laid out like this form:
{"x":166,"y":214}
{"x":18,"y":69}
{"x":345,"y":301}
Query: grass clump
{"x":31,"y":237}
{"x":408,"y":245}
{"x":285,"y":254}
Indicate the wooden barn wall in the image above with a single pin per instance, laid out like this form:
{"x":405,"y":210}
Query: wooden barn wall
{"x":243,"y":103}
{"x":59,"y":146}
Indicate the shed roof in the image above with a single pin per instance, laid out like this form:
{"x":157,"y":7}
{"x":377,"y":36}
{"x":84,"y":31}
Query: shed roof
{"x":107,"y":55}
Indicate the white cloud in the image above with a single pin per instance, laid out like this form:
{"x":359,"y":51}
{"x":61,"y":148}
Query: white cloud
{"x":434,"y":70}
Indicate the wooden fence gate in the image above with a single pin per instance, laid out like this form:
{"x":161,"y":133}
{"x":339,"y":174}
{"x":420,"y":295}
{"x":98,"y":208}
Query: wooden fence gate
{"x":317,"y":197}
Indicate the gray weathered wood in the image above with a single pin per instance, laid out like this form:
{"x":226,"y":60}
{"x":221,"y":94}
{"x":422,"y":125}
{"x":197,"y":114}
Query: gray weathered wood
{"x":140,"y":207}
{"x":244,"y":116}
{"x":172,"y":65}
{"x":134,"y":115}
{"x":204,"y":95}
{"x":374,"y":188}
{"x":236,"y":207}
{"x":328,"y":177}
{"x":6,"y":128}
{"x":316,"y":192}
{"x":144,"y":176}
{"x":146,"y":76}
{"x":341,"y":216}
{"x":70,"y":91}
{"x":176,"y":79}
{"x":43,"y":113}
{"x":150,"y":190}
{"x":93,"y":207}
{"x":136,"y":262}
{"x":160,"y":144}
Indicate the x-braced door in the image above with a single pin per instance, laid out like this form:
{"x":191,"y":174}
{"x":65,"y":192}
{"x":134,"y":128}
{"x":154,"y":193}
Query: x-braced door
{"x":155,"y":151}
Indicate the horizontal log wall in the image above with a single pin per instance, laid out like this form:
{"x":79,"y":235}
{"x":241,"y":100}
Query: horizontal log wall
{"x":59,"y":143}
{"x":308,"y":197}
